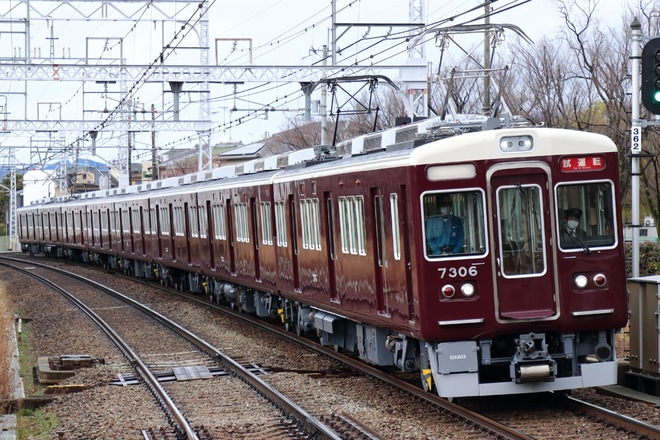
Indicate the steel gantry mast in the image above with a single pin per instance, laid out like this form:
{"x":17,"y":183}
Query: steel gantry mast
{"x":86,"y":58}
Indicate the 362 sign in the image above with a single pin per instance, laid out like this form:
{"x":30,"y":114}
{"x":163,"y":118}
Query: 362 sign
{"x":636,"y":140}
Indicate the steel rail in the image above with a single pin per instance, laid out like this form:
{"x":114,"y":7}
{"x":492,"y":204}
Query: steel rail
{"x":141,"y":368}
{"x":616,"y":419}
{"x":311,"y":424}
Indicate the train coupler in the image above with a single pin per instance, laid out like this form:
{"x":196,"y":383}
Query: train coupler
{"x":534,"y":371}
{"x":532,"y":363}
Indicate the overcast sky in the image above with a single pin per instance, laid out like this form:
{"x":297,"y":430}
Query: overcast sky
{"x":290,"y":32}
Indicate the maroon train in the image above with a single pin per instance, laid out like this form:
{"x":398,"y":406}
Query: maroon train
{"x":342,"y":244}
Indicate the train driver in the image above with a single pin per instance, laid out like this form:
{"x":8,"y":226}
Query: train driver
{"x":572,"y":224}
{"x":444,"y":231}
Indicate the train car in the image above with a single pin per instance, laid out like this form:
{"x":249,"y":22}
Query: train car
{"x":491,"y":262}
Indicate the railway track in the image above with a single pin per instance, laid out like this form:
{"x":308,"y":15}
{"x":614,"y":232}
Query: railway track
{"x":516,"y":426}
{"x":303,"y":425}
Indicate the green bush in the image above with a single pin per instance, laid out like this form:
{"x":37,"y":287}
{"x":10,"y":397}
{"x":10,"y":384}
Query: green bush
{"x":649,"y":259}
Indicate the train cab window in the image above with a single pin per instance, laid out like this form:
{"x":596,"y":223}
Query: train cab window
{"x":454,"y":223}
{"x":521,"y":230}
{"x":585,"y":213}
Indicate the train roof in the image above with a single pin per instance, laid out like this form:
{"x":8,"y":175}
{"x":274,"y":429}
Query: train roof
{"x":429,"y":141}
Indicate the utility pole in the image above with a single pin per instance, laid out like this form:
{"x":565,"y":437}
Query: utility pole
{"x":487,"y":104}
{"x":636,"y":141}
{"x":154,"y":163}
{"x":324,"y":93}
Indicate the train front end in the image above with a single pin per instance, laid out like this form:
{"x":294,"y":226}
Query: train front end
{"x":523,"y":283}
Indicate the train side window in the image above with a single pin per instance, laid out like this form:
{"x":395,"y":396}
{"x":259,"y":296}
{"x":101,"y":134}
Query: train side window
{"x":126,"y":221}
{"x":69,"y":223}
{"x":590,"y":208}
{"x":280,"y":223}
{"x":104,"y":225}
{"x":351,"y":222}
{"x":396,"y":233}
{"x":135,"y":213}
{"x":96,"y":221}
{"x":154,"y":222}
{"x":203,"y":223}
{"x":453,"y":223}
{"x":242,"y":229}
{"x":310,"y":223}
{"x":219,"y":222}
{"x":194,"y":225}
{"x":178,"y":221}
{"x":164,"y":222}
{"x":266,"y":224}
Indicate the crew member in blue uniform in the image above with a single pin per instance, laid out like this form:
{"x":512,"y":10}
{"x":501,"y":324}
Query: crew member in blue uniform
{"x":444,"y":232}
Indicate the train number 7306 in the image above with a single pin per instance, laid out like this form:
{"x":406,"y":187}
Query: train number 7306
{"x":457,"y":272}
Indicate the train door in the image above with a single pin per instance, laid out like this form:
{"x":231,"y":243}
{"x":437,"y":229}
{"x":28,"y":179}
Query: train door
{"x":255,"y":236}
{"x":230,"y":237}
{"x":131,"y":228}
{"x":293,"y":232}
{"x":330,"y":248}
{"x":144,"y":227}
{"x":189,"y":230}
{"x":157,"y":224}
{"x":95,"y":228}
{"x":206,"y":228}
{"x":401,"y":242}
{"x":521,"y":227}
{"x":380,"y":254}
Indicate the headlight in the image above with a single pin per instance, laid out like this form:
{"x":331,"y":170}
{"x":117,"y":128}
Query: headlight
{"x":467,"y":290}
{"x":516,"y":144}
{"x":581,"y":281}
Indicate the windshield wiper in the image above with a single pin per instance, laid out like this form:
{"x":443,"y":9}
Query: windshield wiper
{"x":573,"y":236}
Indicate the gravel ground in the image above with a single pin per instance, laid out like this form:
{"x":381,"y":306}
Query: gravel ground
{"x":105,"y":411}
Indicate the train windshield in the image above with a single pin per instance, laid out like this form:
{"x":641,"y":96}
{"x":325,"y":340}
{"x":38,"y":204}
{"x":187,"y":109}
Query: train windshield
{"x":454,"y":223}
{"x":586,"y":215}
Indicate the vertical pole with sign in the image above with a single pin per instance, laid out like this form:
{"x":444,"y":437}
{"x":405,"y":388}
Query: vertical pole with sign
{"x":636,"y":142}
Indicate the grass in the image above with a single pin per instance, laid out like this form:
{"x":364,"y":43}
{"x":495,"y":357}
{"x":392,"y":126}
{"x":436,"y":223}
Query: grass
{"x":35,"y":424}
{"x":6,"y":352}
{"x":30,"y":424}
